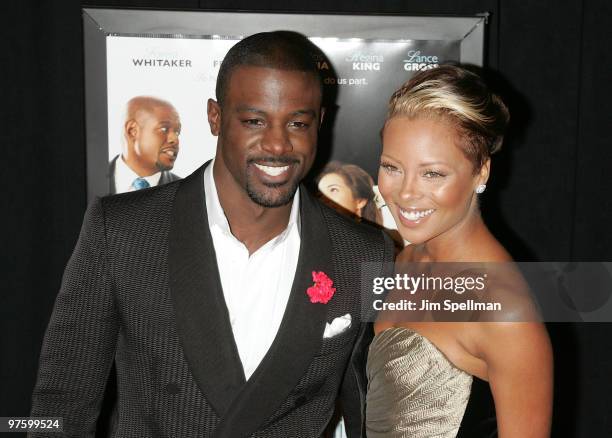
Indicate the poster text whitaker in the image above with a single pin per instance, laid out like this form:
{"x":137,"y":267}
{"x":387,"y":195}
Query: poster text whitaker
{"x":161,"y":62}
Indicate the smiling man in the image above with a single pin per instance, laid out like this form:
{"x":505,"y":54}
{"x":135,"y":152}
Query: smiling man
{"x":267,"y":121}
{"x":151,"y":144}
{"x":234,"y":310}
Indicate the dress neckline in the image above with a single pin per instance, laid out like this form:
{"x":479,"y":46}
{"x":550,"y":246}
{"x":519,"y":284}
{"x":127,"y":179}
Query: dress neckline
{"x":424,"y":339}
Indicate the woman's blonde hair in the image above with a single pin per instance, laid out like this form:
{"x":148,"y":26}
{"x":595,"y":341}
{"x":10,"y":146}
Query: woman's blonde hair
{"x":461,"y":98}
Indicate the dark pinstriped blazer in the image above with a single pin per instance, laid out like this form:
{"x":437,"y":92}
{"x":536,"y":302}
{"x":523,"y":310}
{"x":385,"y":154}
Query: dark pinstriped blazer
{"x":142,"y":289}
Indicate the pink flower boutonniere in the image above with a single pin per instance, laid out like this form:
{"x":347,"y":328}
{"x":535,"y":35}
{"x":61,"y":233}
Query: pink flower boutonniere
{"x":322,"y":291}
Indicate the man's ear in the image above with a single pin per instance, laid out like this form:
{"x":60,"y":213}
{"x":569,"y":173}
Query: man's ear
{"x":131,"y":130}
{"x":214,"y":116}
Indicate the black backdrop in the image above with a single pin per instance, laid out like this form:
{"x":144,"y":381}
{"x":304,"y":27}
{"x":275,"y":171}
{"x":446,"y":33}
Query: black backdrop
{"x":549,"y":198}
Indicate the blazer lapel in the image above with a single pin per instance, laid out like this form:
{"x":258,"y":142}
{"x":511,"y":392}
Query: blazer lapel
{"x":200,"y":311}
{"x":298,"y":339}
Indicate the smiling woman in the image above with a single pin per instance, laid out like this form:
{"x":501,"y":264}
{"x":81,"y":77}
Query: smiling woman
{"x":442,"y":127}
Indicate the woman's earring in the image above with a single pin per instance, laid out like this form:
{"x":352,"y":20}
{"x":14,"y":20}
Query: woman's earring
{"x":480,"y":188}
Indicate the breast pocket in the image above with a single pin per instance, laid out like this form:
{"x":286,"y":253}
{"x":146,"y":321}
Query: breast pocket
{"x":338,"y":343}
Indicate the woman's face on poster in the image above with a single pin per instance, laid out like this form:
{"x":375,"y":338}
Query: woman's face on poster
{"x":335,"y":188}
{"x":425,"y":178}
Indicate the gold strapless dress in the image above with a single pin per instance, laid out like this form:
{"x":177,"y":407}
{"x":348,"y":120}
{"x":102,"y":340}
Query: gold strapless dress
{"x":413,"y":389}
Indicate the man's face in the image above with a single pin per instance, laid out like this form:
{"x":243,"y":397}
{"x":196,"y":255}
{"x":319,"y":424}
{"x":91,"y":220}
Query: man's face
{"x":155,"y":139}
{"x":267,"y":131}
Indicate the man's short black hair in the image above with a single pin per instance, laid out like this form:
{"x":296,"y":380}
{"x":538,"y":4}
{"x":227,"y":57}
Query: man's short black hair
{"x":281,"y":50}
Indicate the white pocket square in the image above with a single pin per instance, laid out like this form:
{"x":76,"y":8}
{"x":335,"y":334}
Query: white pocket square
{"x":337,"y":326}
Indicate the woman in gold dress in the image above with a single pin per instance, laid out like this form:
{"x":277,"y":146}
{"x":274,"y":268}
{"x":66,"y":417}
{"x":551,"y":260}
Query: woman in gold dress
{"x":441,"y":129}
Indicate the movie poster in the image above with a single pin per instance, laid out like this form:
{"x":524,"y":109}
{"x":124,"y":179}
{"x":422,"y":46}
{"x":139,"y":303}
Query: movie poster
{"x":183,"y":72}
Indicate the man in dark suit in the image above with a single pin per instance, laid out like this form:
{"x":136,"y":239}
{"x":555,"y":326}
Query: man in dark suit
{"x":151,"y":144}
{"x":229,"y":301}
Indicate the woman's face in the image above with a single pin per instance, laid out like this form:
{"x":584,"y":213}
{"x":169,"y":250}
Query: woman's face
{"x":425,"y":179}
{"x":335,"y":188}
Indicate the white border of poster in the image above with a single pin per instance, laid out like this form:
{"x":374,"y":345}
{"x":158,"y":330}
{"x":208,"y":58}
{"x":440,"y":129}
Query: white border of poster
{"x":175,"y":56}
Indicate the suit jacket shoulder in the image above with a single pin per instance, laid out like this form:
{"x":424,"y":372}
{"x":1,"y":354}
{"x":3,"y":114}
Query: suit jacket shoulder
{"x":151,"y":202}
{"x":357,"y":239}
{"x":138,"y":224}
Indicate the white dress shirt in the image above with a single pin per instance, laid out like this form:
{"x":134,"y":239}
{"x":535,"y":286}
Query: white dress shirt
{"x":124,"y":177}
{"x":256,"y":288}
